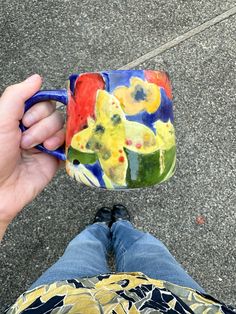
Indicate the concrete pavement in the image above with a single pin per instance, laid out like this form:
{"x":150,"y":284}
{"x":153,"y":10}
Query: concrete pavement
{"x":56,"y":38}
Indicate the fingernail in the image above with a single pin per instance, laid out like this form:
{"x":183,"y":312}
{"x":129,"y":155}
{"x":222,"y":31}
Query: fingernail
{"x":32,"y":78}
{"x":29,"y":118}
{"x":26,"y":141}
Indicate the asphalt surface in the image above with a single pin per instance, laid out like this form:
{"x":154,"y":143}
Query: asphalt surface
{"x":56,"y":38}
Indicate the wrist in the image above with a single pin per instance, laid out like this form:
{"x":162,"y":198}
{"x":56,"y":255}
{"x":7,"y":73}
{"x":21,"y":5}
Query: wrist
{"x":9,"y":207}
{"x":3,"y":228}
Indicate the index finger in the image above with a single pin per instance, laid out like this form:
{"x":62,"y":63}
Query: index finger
{"x":38,"y":112}
{"x":13,"y":98}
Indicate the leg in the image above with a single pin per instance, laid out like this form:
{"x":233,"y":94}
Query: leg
{"x":137,"y":251}
{"x":85,"y":256}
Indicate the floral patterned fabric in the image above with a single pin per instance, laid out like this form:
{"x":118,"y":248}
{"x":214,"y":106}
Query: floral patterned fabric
{"x":117,"y":294}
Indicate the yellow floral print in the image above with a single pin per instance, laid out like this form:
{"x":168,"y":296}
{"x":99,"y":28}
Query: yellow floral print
{"x":165,"y":135}
{"x":109,"y":134}
{"x":119,"y":293}
{"x":139,"y":96}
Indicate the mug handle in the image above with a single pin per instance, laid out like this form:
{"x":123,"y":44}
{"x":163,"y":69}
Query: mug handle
{"x":43,"y":95}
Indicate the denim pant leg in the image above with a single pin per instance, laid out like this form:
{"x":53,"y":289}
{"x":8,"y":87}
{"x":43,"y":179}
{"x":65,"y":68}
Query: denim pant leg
{"x":137,"y":251}
{"x":85,"y":256}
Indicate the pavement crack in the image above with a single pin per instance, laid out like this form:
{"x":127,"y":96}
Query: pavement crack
{"x":174,"y":42}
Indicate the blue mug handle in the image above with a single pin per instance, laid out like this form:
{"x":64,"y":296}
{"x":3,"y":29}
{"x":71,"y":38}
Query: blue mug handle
{"x":43,"y":95}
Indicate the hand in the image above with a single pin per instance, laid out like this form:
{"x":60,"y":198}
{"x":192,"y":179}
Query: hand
{"x":25,"y":171}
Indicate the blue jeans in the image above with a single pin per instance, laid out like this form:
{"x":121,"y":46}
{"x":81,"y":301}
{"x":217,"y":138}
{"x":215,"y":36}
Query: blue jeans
{"x":135,"y":251}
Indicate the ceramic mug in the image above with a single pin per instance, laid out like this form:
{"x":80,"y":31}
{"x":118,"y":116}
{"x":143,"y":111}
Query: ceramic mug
{"x":119,"y":128}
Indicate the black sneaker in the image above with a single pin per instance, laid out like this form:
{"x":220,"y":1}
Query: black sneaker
{"x":120,"y":212}
{"x":104,"y":216}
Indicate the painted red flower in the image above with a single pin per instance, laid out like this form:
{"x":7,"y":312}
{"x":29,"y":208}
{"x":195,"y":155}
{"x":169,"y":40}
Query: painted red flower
{"x":161,"y":79}
{"x":82,"y":103}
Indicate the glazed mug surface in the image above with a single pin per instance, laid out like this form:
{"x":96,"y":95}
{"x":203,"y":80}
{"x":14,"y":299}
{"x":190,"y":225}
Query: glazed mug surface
{"x":119,"y":128}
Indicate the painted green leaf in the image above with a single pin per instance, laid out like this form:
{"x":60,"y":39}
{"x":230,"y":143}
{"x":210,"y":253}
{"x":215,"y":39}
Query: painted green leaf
{"x":149,"y":169}
{"x":76,"y":156}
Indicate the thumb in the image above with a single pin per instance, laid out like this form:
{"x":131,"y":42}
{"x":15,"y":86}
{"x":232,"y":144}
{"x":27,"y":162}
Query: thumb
{"x":13,"y":99}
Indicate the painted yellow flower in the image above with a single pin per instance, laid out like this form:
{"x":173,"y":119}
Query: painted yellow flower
{"x":139,"y":96}
{"x":165,"y":135}
{"x":109,"y":134}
